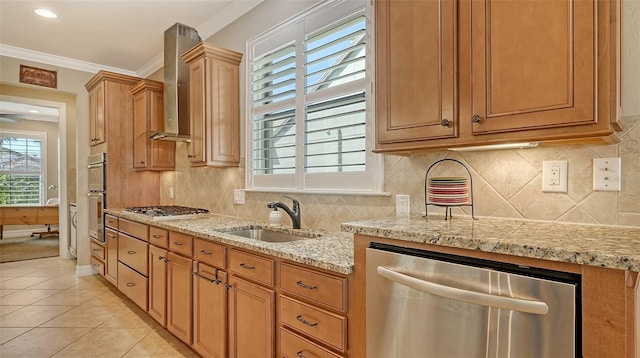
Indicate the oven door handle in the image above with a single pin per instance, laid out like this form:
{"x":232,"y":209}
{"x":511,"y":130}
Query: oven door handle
{"x":96,"y":194}
{"x":479,"y":298}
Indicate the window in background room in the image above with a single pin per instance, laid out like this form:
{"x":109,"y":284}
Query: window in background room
{"x":22,"y":168}
{"x":309,"y":128}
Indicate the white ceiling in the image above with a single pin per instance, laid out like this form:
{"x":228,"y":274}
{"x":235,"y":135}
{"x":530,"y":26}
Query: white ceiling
{"x":116,"y":35}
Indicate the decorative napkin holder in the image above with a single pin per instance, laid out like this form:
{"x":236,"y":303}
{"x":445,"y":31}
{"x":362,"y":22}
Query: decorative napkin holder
{"x":448,"y":191}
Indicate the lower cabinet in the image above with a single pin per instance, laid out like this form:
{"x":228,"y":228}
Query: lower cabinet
{"x":158,"y":284}
{"x":133,"y":285}
{"x":111,"y":260}
{"x":251,"y":319}
{"x":209,"y":311}
{"x":179,"y":297}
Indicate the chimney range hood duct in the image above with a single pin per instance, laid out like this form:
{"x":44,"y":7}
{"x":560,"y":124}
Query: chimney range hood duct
{"x":178,"y":39}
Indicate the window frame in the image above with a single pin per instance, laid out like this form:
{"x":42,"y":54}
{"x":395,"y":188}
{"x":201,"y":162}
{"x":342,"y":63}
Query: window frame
{"x":42,"y":136}
{"x":293,"y":31}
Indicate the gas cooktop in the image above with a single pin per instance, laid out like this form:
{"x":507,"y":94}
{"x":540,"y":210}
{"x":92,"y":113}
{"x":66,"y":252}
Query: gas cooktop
{"x":167,"y":212}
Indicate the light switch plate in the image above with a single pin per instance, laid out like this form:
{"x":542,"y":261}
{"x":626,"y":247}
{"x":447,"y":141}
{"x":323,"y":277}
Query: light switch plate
{"x":554,"y":176}
{"x":607,"y":174}
{"x":238,"y":196}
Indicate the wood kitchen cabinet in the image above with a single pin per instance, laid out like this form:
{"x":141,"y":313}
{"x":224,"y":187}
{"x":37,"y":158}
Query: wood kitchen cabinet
{"x":158,"y":284}
{"x":457,"y":73}
{"x":96,"y":114}
{"x":111,"y":259}
{"x":179,"y":297}
{"x":213,"y":106}
{"x":209,"y":311}
{"x":111,"y":115}
{"x":148,"y":117}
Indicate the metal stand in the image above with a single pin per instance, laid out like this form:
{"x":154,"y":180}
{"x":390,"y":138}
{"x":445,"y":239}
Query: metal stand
{"x":447,"y":207}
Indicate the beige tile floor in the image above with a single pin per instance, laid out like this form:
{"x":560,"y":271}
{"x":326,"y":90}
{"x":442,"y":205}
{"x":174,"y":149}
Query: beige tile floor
{"x":46,"y":311}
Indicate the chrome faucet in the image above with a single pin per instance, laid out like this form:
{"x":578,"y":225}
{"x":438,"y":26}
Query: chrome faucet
{"x":294,"y":215}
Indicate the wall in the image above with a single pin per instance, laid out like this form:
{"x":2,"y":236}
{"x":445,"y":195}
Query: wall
{"x":506,"y":183}
{"x":71,"y":92}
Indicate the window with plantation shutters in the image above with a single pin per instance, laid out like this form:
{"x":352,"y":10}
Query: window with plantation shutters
{"x":22,"y":168}
{"x":308,"y":127}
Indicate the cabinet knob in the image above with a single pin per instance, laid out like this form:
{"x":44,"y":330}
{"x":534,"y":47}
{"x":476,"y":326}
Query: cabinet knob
{"x":476,"y":118}
{"x":445,"y":122}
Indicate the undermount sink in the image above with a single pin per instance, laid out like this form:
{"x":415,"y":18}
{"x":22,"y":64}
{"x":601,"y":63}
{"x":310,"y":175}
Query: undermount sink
{"x":267,"y":235}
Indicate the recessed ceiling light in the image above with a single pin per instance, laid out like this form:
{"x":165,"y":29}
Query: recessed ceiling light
{"x":46,"y":13}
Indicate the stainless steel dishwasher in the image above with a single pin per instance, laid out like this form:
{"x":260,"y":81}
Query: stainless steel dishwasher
{"x":428,"y":304}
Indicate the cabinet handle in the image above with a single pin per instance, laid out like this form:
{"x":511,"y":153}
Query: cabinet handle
{"x":131,"y":252}
{"x":160,"y":258}
{"x":245,"y":266}
{"x":299,"y":318}
{"x":157,"y":236}
{"x":300,"y":355}
{"x":303,"y":285}
{"x":445,"y":122}
{"x":178,"y":243}
{"x":216,"y":281}
{"x":476,"y":118}
{"x":190,"y":156}
{"x":95,"y":266}
{"x":206,"y":252}
{"x":95,"y":250}
{"x":130,"y":284}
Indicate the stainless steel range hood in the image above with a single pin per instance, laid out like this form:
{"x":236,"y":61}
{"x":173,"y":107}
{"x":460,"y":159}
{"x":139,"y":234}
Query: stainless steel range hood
{"x":177,"y":40}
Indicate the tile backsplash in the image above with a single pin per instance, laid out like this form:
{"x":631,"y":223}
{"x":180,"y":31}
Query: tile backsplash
{"x":506,"y":183}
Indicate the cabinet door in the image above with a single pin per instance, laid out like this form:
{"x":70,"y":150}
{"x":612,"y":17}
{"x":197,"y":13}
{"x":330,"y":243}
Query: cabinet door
{"x":96,"y":114}
{"x":179,"y":297}
{"x":251,"y":320}
{"x":533,"y":64}
{"x":198,"y":103}
{"x":209,"y":311}
{"x":111,"y":272}
{"x":415,"y":70}
{"x":223,"y":136}
{"x":158,"y":284}
{"x":140,"y":130}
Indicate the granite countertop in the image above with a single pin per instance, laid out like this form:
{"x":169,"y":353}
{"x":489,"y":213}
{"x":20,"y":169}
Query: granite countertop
{"x":324,"y":249}
{"x":614,"y":247}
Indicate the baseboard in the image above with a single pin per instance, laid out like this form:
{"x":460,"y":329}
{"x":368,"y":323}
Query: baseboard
{"x":85,"y":270}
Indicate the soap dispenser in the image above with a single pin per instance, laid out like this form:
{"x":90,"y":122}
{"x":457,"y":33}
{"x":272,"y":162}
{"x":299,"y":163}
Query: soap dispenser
{"x":275,"y":217}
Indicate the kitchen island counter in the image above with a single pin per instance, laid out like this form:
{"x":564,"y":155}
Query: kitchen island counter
{"x":328,"y":250}
{"x":612,"y":247}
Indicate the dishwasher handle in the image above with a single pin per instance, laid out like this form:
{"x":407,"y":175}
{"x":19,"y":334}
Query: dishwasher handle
{"x":484,"y":299}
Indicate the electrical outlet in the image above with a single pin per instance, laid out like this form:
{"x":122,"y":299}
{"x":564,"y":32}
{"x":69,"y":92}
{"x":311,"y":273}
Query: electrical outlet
{"x":238,"y":196}
{"x":606,"y":174}
{"x":554,"y":176}
{"x":402,"y":206}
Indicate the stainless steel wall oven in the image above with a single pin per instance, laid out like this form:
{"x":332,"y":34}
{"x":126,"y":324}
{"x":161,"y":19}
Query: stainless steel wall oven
{"x":97,"y":195}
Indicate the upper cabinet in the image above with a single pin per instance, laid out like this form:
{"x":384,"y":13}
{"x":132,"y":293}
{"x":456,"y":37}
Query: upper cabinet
{"x":456,"y":73}
{"x":214,"y":106}
{"x":96,"y":114}
{"x":148,"y":117}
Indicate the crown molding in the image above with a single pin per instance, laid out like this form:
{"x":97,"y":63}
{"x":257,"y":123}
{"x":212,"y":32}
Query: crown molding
{"x":41,"y":57}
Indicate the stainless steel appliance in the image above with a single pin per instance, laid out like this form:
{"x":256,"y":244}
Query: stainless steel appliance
{"x":427,"y":304}
{"x":97,"y":195}
{"x":167,"y":212}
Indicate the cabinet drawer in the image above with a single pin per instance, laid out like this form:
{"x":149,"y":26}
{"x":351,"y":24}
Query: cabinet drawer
{"x":97,"y":265}
{"x":322,"y":325}
{"x":209,"y":252}
{"x":181,"y":243}
{"x":133,"y":285}
{"x":292,"y":345}
{"x":159,"y":237}
{"x":132,"y":228}
{"x":251,"y":266}
{"x":111,"y":221}
{"x":97,"y":250}
{"x":134,"y":253}
{"x":321,"y":288}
